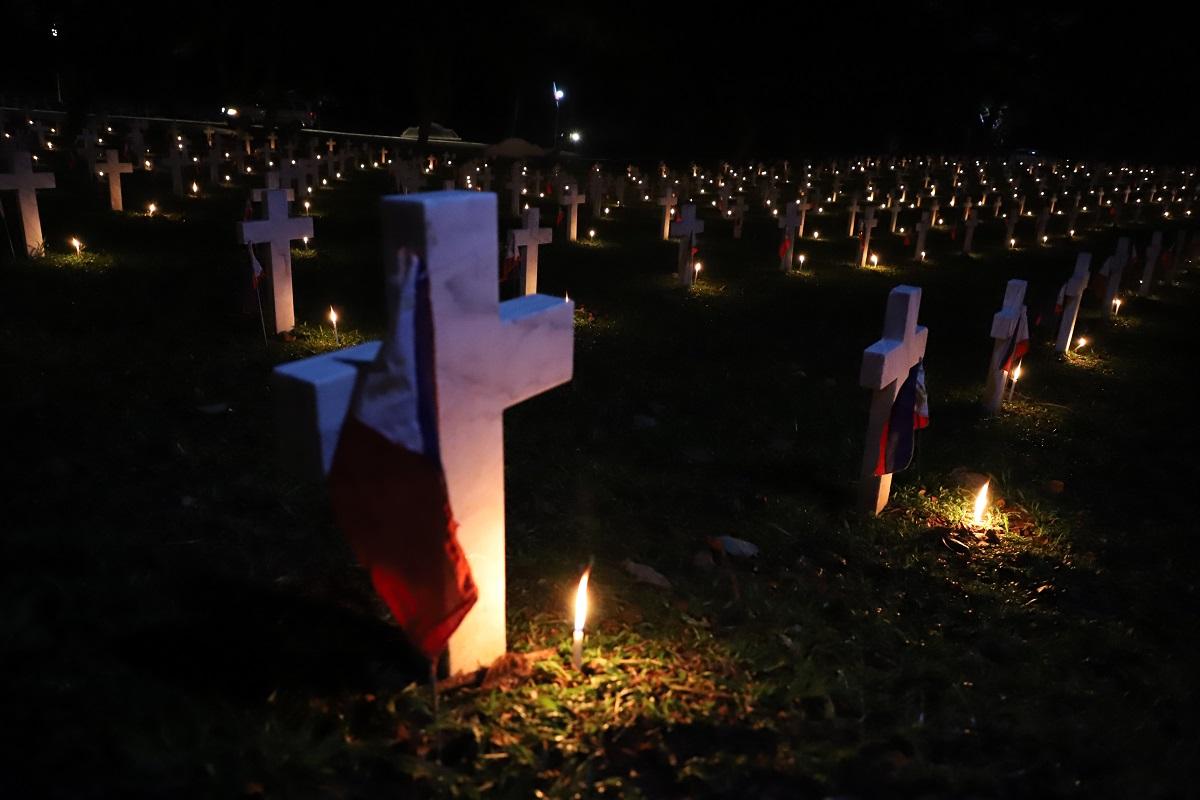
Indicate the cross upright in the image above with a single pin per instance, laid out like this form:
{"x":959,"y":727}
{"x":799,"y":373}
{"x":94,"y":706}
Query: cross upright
{"x":922,"y":229}
{"x":1072,"y":296}
{"x":1043,"y":220}
{"x":272,"y":181}
{"x":1116,"y":269}
{"x":738,"y":212}
{"x":176,"y":162}
{"x":854,"y":209}
{"x":969,"y":238}
{"x":869,"y":223}
{"x":489,"y":356}
{"x":113,"y":170}
{"x":277,"y":230}
{"x":885,"y":366}
{"x":687,"y":228}
{"x":934,"y":207}
{"x":1004,"y":327}
{"x":668,"y":200}
{"x":895,"y":212}
{"x":24,"y":181}
{"x":527,"y":240}
{"x":967,"y":205}
{"x":571,"y":198}
{"x":789,"y":223}
{"x":804,"y":205}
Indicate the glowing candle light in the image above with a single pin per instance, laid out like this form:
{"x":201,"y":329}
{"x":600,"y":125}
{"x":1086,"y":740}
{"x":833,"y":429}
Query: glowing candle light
{"x":195,"y":188}
{"x":150,"y":209}
{"x":981,"y":501}
{"x":78,"y":245}
{"x":333,"y":317}
{"x":1016,"y":376}
{"x":1080,"y":342}
{"x":581,"y":604}
{"x":874,"y":260}
{"x":1116,"y":305}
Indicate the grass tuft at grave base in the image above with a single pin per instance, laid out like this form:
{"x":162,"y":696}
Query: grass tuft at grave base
{"x":180,"y":618}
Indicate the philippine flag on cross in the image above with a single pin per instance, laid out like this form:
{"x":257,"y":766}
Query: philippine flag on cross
{"x":910,"y":413}
{"x":387,"y":486}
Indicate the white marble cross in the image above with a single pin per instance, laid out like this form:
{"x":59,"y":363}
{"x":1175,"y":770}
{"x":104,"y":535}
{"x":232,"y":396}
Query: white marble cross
{"x":854,"y":209}
{"x":24,"y":181}
{"x":687,"y":227}
{"x":804,"y":205}
{"x":527,"y":240}
{"x":272,"y":181}
{"x":885,"y":367}
{"x":922,"y":229}
{"x":1072,"y":296}
{"x":489,"y":356}
{"x":1114,"y":273}
{"x":869,"y":223}
{"x":113,"y":170}
{"x":895,"y":212}
{"x":969,"y":237}
{"x":571,"y":198}
{"x":738,"y":212}
{"x":668,"y":201}
{"x":277,"y":230}
{"x":1004,"y":327}
{"x":789,"y":222}
{"x":1152,"y":253}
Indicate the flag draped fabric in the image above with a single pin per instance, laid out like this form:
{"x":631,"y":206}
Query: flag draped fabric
{"x":1018,"y":344}
{"x":256,"y":270}
{"x":910,"y":413}
{"x":387,"y":486}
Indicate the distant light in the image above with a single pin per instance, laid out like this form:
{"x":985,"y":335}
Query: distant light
{"x":231,"y":112}
{"x":576,"y":136}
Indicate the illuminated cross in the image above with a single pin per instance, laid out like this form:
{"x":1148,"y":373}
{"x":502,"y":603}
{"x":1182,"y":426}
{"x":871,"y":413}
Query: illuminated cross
{"x":113,"y":170}
{"x":1112,"y":270}
{"x":968,"y":239}
{"x":1010,"y":226}
{"x":668,"y":201}
{"x":277,"y":230}
{"x":738,"y":212}
{"x":1072,"y":296}
{"x":571,"y":198}
{"x":489,"y":356}
{"x":24,"y":181}
{"x":869,"y":223}
{"x":804,"y":205}
{"x":854,"y":209}
{"x":922,"y":229}
{"x":967,"y":209}
{"x":885,"y":366}
{"x":272,"y":180}
{"x":934,"y":207}
{"x":527,"y":240}
{"x":214,"y":159}
{"x":895,"y":212}
{"x":789,"y":222}
{"x":1004,"y":327}
{"x":687,"y":227}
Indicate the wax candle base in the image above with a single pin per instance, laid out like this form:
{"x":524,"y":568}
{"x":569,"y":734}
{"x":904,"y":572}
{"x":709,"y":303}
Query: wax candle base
{"x":577,"y":650}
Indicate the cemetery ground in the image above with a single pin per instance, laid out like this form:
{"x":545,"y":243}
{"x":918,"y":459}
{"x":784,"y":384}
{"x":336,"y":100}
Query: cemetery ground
{"x":179,"y":617}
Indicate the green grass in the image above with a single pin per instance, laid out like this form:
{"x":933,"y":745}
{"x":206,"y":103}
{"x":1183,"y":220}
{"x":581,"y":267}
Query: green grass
{"x":180,"y":617}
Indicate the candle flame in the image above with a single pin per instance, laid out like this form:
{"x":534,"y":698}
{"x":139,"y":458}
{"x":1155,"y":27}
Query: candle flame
{"x":581,"y":601}
{"x":1016,"y":376}
{"x":333,"y":316}
{"x":981,"y":501}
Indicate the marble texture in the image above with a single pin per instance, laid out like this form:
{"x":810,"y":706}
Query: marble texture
{"x":277,"y":230}
{"x":885,"y":366}
{"x":25,"y":182}
{"x":1004,"y":327}
{"x":1073,"y":295}
{"x":488,"y":356}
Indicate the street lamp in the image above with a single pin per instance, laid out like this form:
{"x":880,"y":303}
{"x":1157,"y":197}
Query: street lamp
{"x":559,"y":94}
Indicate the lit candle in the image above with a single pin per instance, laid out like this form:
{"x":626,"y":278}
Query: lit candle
{"x":1016,"y":375}
{"x":78,"y":245}
{"x":333,"y":319}
{"x":981,"y":500}
{"x":581,"y":603}
{"x":1116,"y":305}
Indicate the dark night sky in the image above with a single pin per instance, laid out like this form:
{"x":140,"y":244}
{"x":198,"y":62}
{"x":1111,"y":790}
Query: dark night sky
{"x":664,"y":81}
